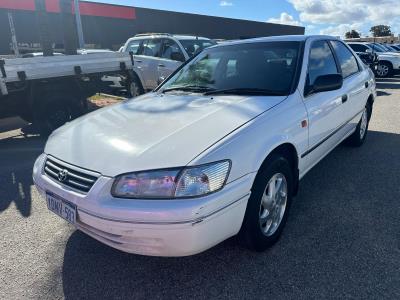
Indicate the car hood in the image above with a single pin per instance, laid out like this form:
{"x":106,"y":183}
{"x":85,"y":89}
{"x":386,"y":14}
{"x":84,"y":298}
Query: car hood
{"x":152,"y":131}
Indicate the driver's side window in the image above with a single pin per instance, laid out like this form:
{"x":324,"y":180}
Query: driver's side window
{"x":321,"y":62}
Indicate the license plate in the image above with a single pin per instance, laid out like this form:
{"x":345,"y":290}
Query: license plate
{"x":61,"y":207}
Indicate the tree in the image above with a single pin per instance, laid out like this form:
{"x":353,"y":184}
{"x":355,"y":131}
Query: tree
{"x":353,"y":34}
{"x":380,"y":30}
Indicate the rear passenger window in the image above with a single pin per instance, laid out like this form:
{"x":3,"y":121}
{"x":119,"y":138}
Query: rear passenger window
{"x":321,"y":61}
{"x":348,"y":62}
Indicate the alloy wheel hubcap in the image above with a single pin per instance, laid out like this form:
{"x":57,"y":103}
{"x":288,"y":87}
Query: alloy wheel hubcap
{"x":364,"y":123}
{"x":273,"y":204}
{"x":382,"y":70}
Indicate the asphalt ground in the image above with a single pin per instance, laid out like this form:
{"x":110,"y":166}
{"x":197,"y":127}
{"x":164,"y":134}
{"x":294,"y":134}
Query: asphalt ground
{"x":342,"y":239}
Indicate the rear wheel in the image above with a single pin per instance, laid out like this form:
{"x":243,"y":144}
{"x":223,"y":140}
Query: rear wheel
{"x":268,"y":206}
{"x":384,"y":69}
{"x":359,"y":136}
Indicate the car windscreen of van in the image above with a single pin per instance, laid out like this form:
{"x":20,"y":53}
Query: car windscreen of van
{"x":254,"y":68}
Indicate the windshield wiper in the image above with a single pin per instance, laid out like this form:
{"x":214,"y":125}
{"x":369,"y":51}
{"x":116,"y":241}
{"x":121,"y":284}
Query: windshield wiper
{"x":189,"y":88}
{"x":246,"y":91}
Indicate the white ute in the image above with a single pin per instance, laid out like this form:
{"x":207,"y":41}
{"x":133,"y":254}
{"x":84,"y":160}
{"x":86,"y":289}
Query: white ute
{"x":215,"y":151}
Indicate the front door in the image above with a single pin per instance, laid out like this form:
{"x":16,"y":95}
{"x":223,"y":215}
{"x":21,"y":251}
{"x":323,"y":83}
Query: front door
{"x":170,"y":59}
{"x":325,"y":109}
{"x":147,"y":62}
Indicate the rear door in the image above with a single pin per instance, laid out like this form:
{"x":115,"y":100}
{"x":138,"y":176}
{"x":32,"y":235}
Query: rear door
{"x":147,"y":61}
{"x":170,"y":59}
{"x":325,"y":109}
{"x":355,"y":83}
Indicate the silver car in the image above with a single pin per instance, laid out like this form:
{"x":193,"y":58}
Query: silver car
{"x":156,"y":56}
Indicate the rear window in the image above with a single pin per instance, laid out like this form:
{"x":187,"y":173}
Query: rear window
{"x":348,"y":63}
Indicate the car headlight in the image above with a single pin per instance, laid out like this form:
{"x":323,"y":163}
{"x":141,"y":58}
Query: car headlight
{"x":173,"y":183}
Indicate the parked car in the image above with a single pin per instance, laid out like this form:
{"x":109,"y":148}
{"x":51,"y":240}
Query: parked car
{"x":389,"y":62}
{"x":216,"y":150}
{"x":158,"y":55}
{"x":390,"y":48}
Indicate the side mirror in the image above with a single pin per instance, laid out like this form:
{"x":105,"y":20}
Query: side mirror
{"x":326,"y":83}
{"x":178,"y":56}
{"x":368,"y":50}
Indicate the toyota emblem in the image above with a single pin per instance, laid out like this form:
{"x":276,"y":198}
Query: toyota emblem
{"x":62,"y":175}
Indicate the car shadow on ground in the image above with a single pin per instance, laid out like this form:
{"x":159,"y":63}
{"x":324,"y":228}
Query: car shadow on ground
{"x":387,"y":85}
{"x":17,"y":155}
{"x":382,"y":93}
{"x":334,"y":228}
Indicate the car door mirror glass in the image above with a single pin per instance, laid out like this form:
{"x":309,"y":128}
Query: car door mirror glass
{"x":326,"y":83}
{"x":178,"y":56}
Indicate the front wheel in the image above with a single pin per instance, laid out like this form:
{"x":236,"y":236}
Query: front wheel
{"x":134,"y":88}
{"x":268,"y":206}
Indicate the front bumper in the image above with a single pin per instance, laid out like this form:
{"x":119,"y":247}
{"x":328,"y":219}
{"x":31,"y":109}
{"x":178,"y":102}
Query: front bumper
{"x":154,"y":227}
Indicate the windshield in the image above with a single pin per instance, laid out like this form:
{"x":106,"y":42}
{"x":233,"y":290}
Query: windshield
{"x":377,"y":48}
{"x":194,"y":46}
{"x":267,"y":67}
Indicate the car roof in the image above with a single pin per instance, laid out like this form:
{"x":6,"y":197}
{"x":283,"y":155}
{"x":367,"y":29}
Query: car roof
{"x":189,"y":37}
{"x":166,"y":35}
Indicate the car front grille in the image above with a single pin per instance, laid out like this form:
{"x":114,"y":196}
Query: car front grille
{"x":74,"y":177}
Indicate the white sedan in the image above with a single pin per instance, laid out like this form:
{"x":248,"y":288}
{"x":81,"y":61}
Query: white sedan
{"x":217,"y":150}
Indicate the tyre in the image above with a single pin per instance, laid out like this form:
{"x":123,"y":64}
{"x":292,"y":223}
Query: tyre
{"x":384,"y":69}
{"x":268,"y":205}
{"x":358,"y":137}
{"x":134,"y":87}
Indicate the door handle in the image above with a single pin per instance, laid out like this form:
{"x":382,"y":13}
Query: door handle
{"x":344,"y":98}
{"x":366,"y":84}
{"x":138,"y":61}
{"x":161,"y":65}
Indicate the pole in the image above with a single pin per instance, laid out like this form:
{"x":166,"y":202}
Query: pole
{"x":43,"y":27}
{"x":79,"y":25}
{"x":13,"y":35}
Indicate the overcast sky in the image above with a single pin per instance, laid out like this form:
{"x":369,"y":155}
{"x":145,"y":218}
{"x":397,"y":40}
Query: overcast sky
{"x":333,"y":17}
